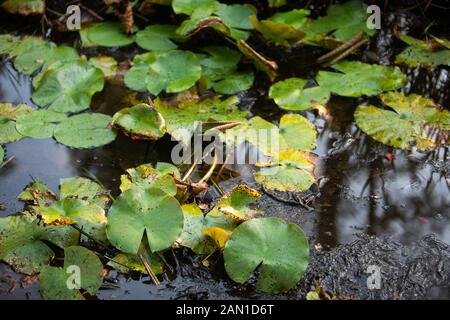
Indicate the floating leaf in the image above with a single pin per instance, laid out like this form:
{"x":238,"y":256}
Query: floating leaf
{"x":146,"y":177}
{"x":32,"y":53}
{"x":8,"y":43}
{"x":108,"y":65}
{"x":295,"y":131}
{"x":414,"y":122}
{"x":83,"y":189}
{"x":173,"y":71}
{"x":291,"y":171}
{"x":54,"y":281}
{"x":195,"y":222}
{"x":189,"y":6}
{"x":157,"y":37}
{"x":105,"y":34}
{"x":343,"y":21}
{"x":38,"y":193}
{"x":24,"y":7}
{"x":87,"y":130}
{"x":70,"y":87}
{"x":8,"y":117}
{"x":280,"y":251}
{"x":140,"y":122}
{"x":151,"y":211}
{"x":283,"y":28}
{"x":125,"y":262}
{"x":276,"y":3}
{"x":89,"y":216}
{"x":261,"y":63}
{"x":420,"y":53}
{"x":2,"y":155}
{"x":357,"y":79}
{"x":39,"y":123}
{"x":218,"y":235}
{"x":236,"y":204}
{"x":183,"y":119}
{"x":22,"y":242}
{"x":291,"y":94}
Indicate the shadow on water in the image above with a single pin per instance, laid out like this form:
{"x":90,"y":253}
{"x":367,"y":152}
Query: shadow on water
{"x":365,"y":187}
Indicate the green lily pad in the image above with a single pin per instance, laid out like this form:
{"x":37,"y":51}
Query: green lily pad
{"x":140,"y":122}
{"x":291,"y":94}
{"x":280,"y":250}
{"x":183,"y":119}
{"x":54,"y":282}
{"x":8,"y":116}
{"x":24,"y":7}
{"x":39,"y":123}
{"x":157,"y":37}
{"x":8,"y":43}
{"x":23,"y":242}
{"x":108,"y":65}
{"x":146,"y":177}
{"x":357,"y":79}
{"x":83,"y":189}
{"x":283,"y":28}
{"x":105,"y":34}
{"x":420,"y":53}
{"x":291,"y":171}
{"x":236,"y":204}
{"x":189,"y":6}
{"x":152,"y":211}
{"x":277,"y":3}
{"x":173,"y":71}
{"x":414,"y":122}
{"x":70,"y":87}
{"x":2,"y":155}
{"x":294,"y":131}
{"x":125,"y":262}
{"x":38,"y":193}
{"x":89,"y":216}
{"x":343,"y":21}
{"x":32,"y":53}
{"x":89,"y":130}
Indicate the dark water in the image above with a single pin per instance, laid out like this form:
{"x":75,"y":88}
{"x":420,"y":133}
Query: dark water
{"x":362,"y":191}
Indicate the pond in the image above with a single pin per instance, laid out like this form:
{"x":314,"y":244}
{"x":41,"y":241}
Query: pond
{"x":364,"y":187}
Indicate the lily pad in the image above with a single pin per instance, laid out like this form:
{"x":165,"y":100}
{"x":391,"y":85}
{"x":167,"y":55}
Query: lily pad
{"x":173,"y":71}
{"x":38,"y":193}
{"x":2,"y":155}
{"x":283,"y":28}
{"x":8,"y":43}
{"x":343,"y":21}
{"x":291,"y":171}
{"x":87,"y":130}
{"x":357,"y":79}
{"x":414,"y":122}
{"x":24,"y":7}
{"x":8,"y":116}
{"x":421,"y":53}
{"x":140,"y":122}
{"x":294,"y":131}
{"x":291,"y":94}
{"x":157,"y":37}
{"x":277,"y":3}
{"x":105,"y":34}
{"x":70,"y":87}
{"x":54,"y":281}
{"x":23,"y":242}
{"x":236,"y":204}
{"x":146,"y":177}
{"x":34,"y":53}
{"x":152,"y":211}
{"x":108,"y":65}
{"x":183,"y":119}
{"x":39,"y":123}
{"x":189,"y":6}
{"x":83,"y":189}
{"x":280,"y":250}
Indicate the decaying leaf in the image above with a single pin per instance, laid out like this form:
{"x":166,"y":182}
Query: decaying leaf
{"x":261,"y":63}
{"x":24,"y":7}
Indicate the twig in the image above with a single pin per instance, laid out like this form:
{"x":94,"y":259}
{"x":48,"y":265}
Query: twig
{"x":211,"y":170}
{"x":352,"y":41}
{"x":346,"y":53}
{"x":89,"y":236}
{"x":149,"y":270}
{"x":189,"y":172}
